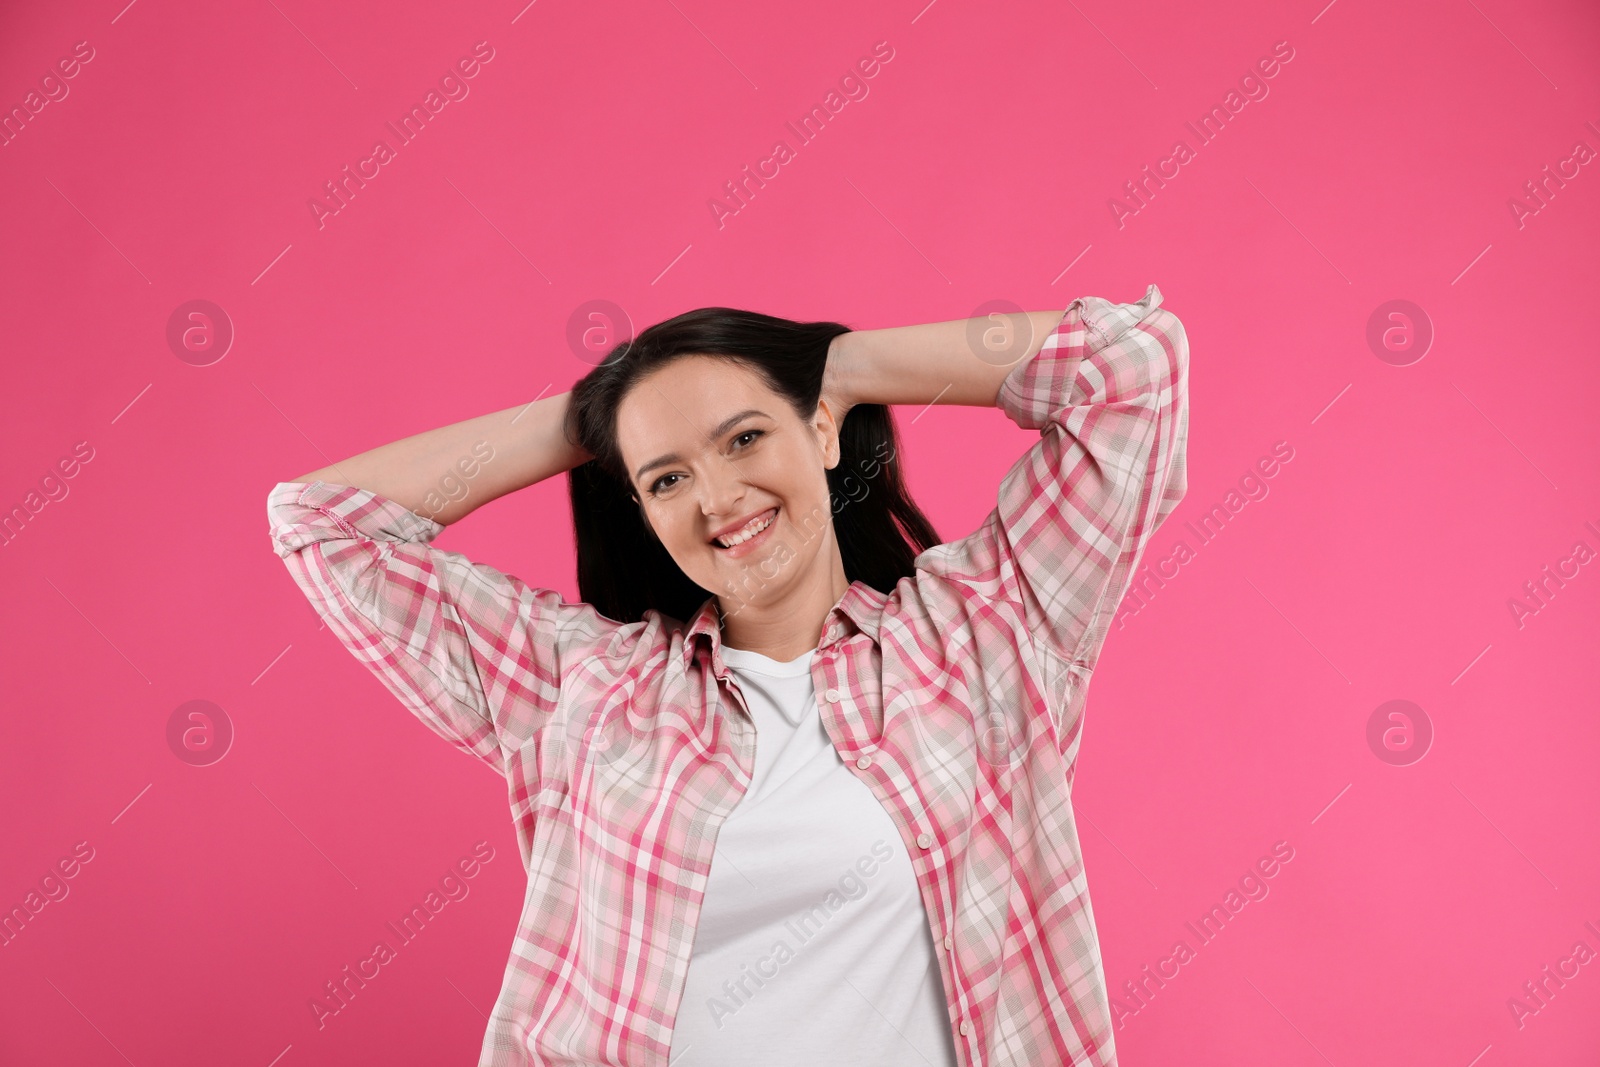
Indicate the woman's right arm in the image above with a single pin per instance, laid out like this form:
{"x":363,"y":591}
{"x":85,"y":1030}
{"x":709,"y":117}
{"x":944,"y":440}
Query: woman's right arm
{"x":478,"y":655}
{"x":428,"y":473}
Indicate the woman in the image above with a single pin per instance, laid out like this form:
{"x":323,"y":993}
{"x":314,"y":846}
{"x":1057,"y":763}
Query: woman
{"x":723,"y":867}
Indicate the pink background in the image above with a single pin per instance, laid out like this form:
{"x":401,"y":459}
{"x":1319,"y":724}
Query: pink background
{"x":980,"y":166}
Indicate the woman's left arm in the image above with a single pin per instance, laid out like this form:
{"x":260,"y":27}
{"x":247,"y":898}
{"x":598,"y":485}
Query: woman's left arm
{"x":962,"y":361}
{"x":1106,"y":386}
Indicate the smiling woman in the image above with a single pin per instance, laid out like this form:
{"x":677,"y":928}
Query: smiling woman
{"x":735,"y":583}
{"x":720,"y":441}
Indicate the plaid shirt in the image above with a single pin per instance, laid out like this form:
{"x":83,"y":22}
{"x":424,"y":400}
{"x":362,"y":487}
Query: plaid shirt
{"x":958,"y":699}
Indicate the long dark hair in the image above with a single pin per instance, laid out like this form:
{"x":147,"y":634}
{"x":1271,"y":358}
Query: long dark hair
{"x":623,"y":570}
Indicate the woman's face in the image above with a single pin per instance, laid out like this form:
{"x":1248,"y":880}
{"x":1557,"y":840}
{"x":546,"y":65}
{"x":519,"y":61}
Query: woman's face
{"x":712,"y":453}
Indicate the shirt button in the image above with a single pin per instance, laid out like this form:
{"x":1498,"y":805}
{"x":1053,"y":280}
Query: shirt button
{"x":864,"y":762}
{"x":949,"y":942}
{"x":925,"y":840}
{"x":832,"y":696}
{"x":966,"y":1027}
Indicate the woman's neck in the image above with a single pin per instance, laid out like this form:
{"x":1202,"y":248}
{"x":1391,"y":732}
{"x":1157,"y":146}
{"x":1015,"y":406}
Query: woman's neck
{"x":788,"y":628}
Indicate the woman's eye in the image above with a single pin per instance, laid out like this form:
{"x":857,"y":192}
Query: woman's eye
{"x":663,"y":483}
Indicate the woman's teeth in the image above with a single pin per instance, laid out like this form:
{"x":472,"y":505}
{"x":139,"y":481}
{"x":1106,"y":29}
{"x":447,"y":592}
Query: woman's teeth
{"x":754,"y":527}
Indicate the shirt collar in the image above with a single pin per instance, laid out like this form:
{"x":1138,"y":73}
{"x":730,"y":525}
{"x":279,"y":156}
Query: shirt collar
{"x":858,"y":611}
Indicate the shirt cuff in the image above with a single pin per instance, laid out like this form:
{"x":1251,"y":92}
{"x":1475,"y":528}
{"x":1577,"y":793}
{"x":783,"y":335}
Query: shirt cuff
{"x":303,"y":513}
{"x":1039,"y":387}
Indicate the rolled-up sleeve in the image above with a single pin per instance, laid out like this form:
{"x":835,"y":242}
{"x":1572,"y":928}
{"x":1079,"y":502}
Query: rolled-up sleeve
{"x":476,"y":654}
{"x":1108,"y":393}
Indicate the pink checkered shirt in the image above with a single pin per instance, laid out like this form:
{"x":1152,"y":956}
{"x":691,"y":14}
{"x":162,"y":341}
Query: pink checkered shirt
{"x":957,"y":698}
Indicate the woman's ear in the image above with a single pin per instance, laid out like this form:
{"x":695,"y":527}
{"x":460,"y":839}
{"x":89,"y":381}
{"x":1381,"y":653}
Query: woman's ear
{"x":829,"y":429}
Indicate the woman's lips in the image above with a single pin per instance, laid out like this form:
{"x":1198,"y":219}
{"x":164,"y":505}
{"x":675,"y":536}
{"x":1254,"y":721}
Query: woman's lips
{"x":746,"y":547}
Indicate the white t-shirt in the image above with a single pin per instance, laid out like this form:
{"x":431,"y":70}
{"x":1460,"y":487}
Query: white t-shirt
{"x":813,"y":944}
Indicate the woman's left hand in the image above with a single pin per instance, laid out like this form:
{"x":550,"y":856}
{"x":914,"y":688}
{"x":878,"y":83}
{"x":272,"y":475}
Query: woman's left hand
{"x":836,"y":379}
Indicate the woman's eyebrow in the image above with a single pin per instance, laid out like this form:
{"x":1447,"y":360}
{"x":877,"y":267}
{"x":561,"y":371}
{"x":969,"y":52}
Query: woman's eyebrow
{"x":721,"y":428}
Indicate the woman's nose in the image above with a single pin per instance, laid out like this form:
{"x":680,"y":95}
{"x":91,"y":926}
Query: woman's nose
{"x":722,"y":491}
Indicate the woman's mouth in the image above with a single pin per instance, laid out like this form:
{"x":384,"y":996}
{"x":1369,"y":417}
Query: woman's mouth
{"x":748,"y":537}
